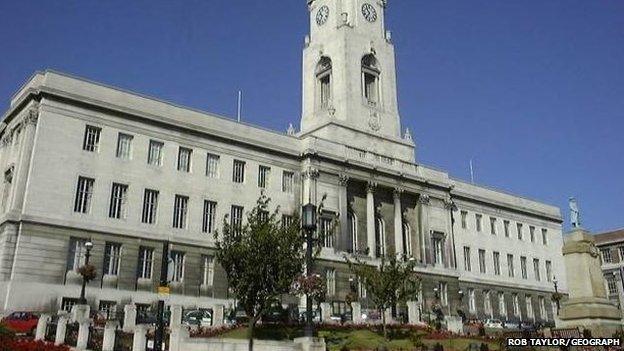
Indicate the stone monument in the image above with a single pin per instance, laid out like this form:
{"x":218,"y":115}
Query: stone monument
{"x":587,"y":306}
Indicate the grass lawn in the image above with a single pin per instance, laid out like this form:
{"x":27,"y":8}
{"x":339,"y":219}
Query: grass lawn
{"x":360,"y":339}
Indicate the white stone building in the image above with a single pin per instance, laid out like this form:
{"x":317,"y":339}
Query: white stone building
{"x":83,"y":160}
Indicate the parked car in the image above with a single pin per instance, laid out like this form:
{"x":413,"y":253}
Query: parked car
{"x":493,"y":323}
{"x":199,"y":317}
{"x":275,"y":314}
{"x":22,"y":322}
{"x":512,"y":324}
{"x":528,"y":326}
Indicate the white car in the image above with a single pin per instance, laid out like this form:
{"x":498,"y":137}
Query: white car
{"x":493,"y":323}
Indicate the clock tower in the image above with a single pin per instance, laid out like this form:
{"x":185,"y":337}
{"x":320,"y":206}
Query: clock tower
{"x":349,"y":78}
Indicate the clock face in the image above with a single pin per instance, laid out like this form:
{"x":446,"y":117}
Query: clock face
{"x":369,"y":12}
{"x":322,"y":15}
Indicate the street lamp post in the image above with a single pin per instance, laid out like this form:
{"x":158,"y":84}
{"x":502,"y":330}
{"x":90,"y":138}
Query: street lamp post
{"x":309,"y":226}
{"x":88,"y":247}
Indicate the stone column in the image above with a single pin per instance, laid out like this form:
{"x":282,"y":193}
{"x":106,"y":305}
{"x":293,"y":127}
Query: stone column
{"x":308,"y":193}
{"x":25,"y":154}
{"x":61,"y":329}
{"x":399,"y":245}
{"x":108,"y":340}
{"x":139,"y":341}
{"x":130,"y":314}
{"x":343,"y":204}
{"x":423,"y":227}
{"x":42,"y":324}
{"x":370,"y":218}
{"x":413,"y":312}
{"x":175,"y":320}
{"x":356,"y":312}
{"x":218,"y":313}
{"x":83,"y":335}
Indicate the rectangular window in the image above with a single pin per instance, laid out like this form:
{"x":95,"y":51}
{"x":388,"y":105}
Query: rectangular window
{"x":545,"y":236}
{"x":542,"y":308}
{"x":236,"y":219}
{"x":496,"y":258}
{"x":288,"y":182}
{"x":467,"y":265}
{"x":606,"y":255}
{"x":177,"y":261}
{"x":502,"y":308}
{"x":118,"y":201}
{"x":150,"y":206}
{"x":472,"y":301}
{"x":330,"y":276}
{"x":112,"y":258}
{"x":184,"y":159}
{"x":146,"y":259}
{"x":492,"y":226}
{"x":510,"y":266}
{"x":108,"y":309}
{"x":155,"y":153}
{"x":124,"y":146}
{"x":611,"y":284}
{"x":238,"y":171}
{"x":263,"y":176}
{"x":91,"y":140}
{"x":84,"y":192}
{"x":506,"y":226}
{"x":487,"y":303}
{"x":516,"y":305}
{"x":536,"y":270}
{"x":464,"y":221}
{"x":326,"y":232}
{"x":287,"y":221}
{"x":478,"y":221}
{"x":438,"y":249}
{"x":519,"y":229}
{"x":212,"y":165}
{"x":67,"y":303}
{"x":180,"y":209}
{"x":76,"y":254}
{"x":523,"y":267}
{"x":532,"y":233}
{"x":208,"y":270}
{"x":482,"y":261}
{"x":370,"y":87}
{"x":209,"y":217}
{"x":548,"y":271}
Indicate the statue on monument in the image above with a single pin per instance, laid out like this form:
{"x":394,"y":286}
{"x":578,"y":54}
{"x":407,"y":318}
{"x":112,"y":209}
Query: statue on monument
{"x":575,"y":215}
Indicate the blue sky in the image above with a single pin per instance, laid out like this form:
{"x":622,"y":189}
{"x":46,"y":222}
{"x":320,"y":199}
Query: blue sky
{"x":532,"y":90}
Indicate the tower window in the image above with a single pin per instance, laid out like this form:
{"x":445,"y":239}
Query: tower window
{"x":323,"y":76}
{"x":370,"y":79}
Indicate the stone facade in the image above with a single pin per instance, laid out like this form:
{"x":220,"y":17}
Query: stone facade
{"x":611,"y":247}
{"x":78,"y":157}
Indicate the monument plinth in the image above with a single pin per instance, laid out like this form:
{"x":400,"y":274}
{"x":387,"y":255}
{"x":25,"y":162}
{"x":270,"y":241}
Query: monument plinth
{"x":588,"y":306}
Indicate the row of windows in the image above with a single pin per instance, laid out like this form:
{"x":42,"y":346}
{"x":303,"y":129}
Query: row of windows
{"x":607,"y":256}
{"x":496,"y":260}
{"x":145,"y":269}
{"x":502,"y":306}
{"x":184,"y":161}
{"x":119,"y":206}
{"x":506,"y":227}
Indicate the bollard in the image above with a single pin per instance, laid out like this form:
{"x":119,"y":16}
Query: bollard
{"x":175,"y":319}
{"x":61,"y":328}
{"x":42,"y":325}
{"x":83,"y":335}
{"x":139,"y":341}
{"x":108,"y":341}
{"x":356,"y":312}
{"x":217,"y":315}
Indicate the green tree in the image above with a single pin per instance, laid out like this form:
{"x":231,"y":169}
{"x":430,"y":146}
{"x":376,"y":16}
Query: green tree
{"x":388,"y":284}
{"x":262,"y":259}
